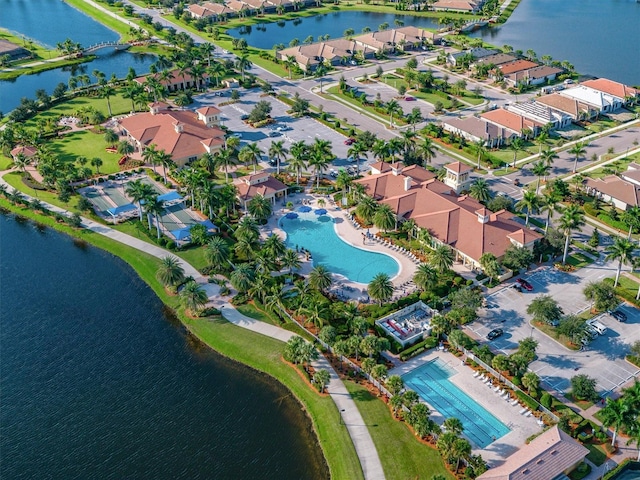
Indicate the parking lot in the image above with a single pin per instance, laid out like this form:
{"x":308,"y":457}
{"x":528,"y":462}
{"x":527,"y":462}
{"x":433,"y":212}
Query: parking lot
{"x":603,"y":358}
{"x":295,"y":129}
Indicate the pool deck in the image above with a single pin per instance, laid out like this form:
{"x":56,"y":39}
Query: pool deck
{"x":521,"y":427}
{"x":350,"y":234}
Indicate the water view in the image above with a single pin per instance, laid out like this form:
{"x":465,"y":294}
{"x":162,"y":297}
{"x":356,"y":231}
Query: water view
{"x":60,"y":22}
{"x":333,"y":24}
{"x":98,"y":381}
{"x":598,"y":37}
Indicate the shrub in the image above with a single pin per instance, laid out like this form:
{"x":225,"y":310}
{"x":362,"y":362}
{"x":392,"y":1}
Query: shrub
{"x":418,"y":348}
{"x":171,"y":245}
{"x":527,"y":400}
{"x":546,"y":400}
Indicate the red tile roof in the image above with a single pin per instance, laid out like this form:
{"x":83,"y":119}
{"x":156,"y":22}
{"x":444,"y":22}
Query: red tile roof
{"x":612,"y":88}
{"x":510,"y":120}
{"x":26,"y":150}
{"x":516,"y":66}
{"x":458,"y":167}
{"x":267,"y":188}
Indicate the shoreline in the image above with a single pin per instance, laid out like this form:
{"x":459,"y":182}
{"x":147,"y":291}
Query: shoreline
{"x":211,"y":332}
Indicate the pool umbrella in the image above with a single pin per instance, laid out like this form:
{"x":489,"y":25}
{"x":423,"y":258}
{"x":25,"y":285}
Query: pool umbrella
{"x":321,"y":211}
{"x":304,"y":208}
{"x":291,"y":215}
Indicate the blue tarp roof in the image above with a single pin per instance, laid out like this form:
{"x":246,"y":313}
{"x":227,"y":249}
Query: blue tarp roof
{"x":121,"y":209}
{"x":181,"y":233}
{"x":209,"y":225}
{"x":169,"y":196}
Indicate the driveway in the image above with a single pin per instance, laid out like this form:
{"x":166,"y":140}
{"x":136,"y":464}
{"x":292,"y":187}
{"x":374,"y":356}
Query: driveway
{"x":604,"y":357}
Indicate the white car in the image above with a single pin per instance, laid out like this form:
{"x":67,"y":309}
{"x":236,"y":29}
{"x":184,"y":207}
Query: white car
{"x":236,"y":135}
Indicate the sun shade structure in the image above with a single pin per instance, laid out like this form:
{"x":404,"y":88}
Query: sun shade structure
{"x":291,"y":215}
{"x":121,"y":210}
{"x":304,"y":209}
{"x":170,"y":198}
{"x":321,"y":211}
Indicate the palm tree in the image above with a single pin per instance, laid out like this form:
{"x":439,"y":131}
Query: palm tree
{"x":616,"y":413}
{"x":426,"y":277}
{"x":621,"y":250}
{"x":426,"y":150}
{"x":139,"y":192}
{"x":480,"y":190}
{"x":453,"y":425}
{"x":96,"y":162}
{"x":366,"y":209}
{"x":125,"y":148}
{"x":441,"y":258}
{"x":193,"y":297}
{"x":170,"y":272}
{"x":278,"y":151}
{"x":320,"y":278}
{"x":480,"y":146}
{"x":254,"y":154}
{"x":578,"y":149}
{"x":530,"y":202}
{"x":357,"y":151}
{"x":380,"y":288}
{"x":242,"y":277}
{"x":111,"y":137}
{"x":216,"y":70}
{"x":242,"y":64}
{"x":225,"y":160}
{"x":291,"y":260}
{"x":150,"y":155}
{"x":320,"y":162}
{"x":298,"y":161}
{"x":155,"y":207}
{"x":217,"y":252}
{"x":107,"y":91}
{"x":384,"y":218}
{"x":572,"y":219}
{"x":392,"y":107}
{"x":632,"y":218}
{"x":517,"y":145}
{"x":540,"y":169}
{"x":548,"y":156}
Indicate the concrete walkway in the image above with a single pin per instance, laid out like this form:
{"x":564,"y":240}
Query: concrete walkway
{"x":351,"y":418}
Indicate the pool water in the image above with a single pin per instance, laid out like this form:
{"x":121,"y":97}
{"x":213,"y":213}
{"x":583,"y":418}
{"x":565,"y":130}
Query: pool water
{"x":317,"y":234}
{"x":431,"y":382}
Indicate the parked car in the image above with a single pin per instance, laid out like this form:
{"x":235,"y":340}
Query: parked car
{"x":409,"y":99}
{"x":495,"y":333}
{"x":236,"y":135}
{"x":350,"y":141}
{"x":275,"y":133}
{"x":524,"y":284}
{"x":618,"y":315}
{"x":599,"y":328}
{"x":516,"y":182}
{"x":244,"y":117}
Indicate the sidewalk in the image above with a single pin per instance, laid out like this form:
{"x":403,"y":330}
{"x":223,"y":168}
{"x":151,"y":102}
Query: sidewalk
{"x":362,"y":441}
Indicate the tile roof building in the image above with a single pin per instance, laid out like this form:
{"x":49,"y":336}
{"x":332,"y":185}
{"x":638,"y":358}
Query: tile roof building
{"x":615,"y":89}
{"x":603,"y":102}
{"x":185,"y":135}
{"x":533,"y":76}
{"x":548,"y":456}
{"x":474,"y":129}
{"x":452,"y":219}
{"x":177,"y":81}
{"x":259,"y":184}
{"x":27,"y":151}
{"x":511,"y":122}
{"x":576,"y":109}
{"x":517,"y":66}
{"x":458,"y":5}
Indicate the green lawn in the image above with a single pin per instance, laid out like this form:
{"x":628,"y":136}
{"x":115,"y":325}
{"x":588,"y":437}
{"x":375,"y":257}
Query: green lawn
{"x":264,"y":354}
{"x":578,"y":260}
{"x":87,"y":144}
{"x":38,"y":50}
{"x":5,"y":162}
{"x":15,"y":180}
{"x":596,"y":454}
{"x":257,"y":311}
{"x":102,"y":17}
{"x":402,"y":455}
{"x":367,"y":110}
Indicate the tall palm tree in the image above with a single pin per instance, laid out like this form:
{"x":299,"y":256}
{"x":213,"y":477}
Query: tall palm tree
{"x":622,"y":251}
{"x":278,"y":151}
{"x":427,"y":150}
{"x":209,"y":162}
{"x":392,"y":108}
{"x":139,"y":192}
{"x":540,"y":169}
{"x":216,"y":70}
{"x":441,"y":258}
{"x":217,"y":252}
{"x":170,"y":273}
{"x":320,"y":278}
{"x":530,"y":202}
{"x":253,"y":153}
{"x":242,"y":64}
{"x":150,"y":154}
{"x":616,"y":414}
{"x":426,"y":277}
{"x":384,"y":218}
{"x":225,"y":160}
{"x":155,"y":207}
{"x":380,"y":288}
{"x":357,"y":151}
{"x":480,"y":146}
{"x":480,"y":191}
{"x":299,"y":156}
{"x":572,"y":219}
{"x":517,"y":145}
{"x":242,"y":277}
{"x":366,"y":209}
{"x":291,"y":260}
{"x":193,"y":297}
{"x":632,"y":218}
{"x":548,"y":156}
{"x":578,"y":149}
{"x":320,"y":162}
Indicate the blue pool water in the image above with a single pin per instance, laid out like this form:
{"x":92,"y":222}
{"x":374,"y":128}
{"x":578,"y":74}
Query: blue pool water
{"x":317,"y":234}
{"x":431,"y":382}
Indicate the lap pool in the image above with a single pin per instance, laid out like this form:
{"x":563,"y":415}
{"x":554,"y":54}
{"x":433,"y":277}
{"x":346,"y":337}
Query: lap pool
{"x":317,"y":234}
{"x":431,"y":382}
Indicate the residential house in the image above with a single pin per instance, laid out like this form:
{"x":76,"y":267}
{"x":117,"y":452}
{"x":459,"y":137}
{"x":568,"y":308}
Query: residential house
{"x":185,"y":135}
{"x":476,"y":53}
{"x":260,"y":5}
{"x":575,"y":109}
{"x":177,"y":80}
{"x":615,"y":89}
{"x":259,"y":184}
{"x":218,"y":9}
{"x":199,"y":11}
{"x":501,"y":71}
{"x":631,"y":175}
{"x":495,"y":59}
{"x":474,"y":129}
{"x":515,"y":125}
{"x":469,"y":6}
{"x":452,"y":219}
{"x":533,"y":76}
{"x":12,"y":50}
{"x":286,"y":4}
{"x":540,"y":113}
{"x":602,"y":102}
{"x":613,"y":189}
{"x":27,"y":151}
{"x":551,"y":455}
{"x":240,"y":8}
{"x":308,"y":57}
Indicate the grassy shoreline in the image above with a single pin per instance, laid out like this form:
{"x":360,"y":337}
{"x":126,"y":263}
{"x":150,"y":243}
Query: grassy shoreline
{"x":99,"y":16}
{"x":254,"y":350}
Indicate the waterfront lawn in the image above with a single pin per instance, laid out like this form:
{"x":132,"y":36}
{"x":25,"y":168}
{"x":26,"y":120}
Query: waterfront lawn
{"x":102,"y":17}
{"x":87,"y":144}
{"x":15,"y":180}
{"x":264,"y":354}
{"x":402,"y":455}
{"x":38,"y":51}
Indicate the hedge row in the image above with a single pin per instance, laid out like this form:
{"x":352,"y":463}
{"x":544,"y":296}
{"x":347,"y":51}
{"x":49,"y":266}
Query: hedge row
{"x":527,"y":400}
{"x":418,"y":348}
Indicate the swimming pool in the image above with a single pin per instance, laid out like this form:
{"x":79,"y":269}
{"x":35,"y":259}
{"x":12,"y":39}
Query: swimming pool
{"x":431,"y":382}
{"x":317,"y":234}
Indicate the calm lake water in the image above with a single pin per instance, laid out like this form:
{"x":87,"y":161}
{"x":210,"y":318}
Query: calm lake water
{"x":59,"y":22}
{"x":599,"y":37}
{"x":333,"y":24}
{"x":97,"y":381}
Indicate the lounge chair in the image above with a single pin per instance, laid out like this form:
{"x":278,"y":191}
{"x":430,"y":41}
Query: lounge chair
{"x":477,"y":374}
{"x":497,"y":388}
{"x":515,"y":402}
{"x":481,"y":377}
{"x":523,"y":410}
{"x":528,"y":414}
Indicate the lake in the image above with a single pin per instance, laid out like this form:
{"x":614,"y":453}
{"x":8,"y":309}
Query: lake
{"x":61,"y":21}
{"x":599,"y":37}
{"x":332,"y":24}
{"x":99,"y":381}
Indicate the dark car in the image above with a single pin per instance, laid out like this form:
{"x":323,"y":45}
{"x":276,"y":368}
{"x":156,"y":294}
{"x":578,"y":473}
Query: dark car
{"x":524,"y":284}
{"x":495,"y":333}
{"x":350,"y":141}
{"x":409,"y":99}
{"x":618,"y":315}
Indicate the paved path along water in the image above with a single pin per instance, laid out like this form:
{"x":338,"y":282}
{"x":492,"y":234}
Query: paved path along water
{"x":365,"y":448}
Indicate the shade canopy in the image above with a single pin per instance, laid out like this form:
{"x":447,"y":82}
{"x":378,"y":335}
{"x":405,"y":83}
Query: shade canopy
{"x":304,"y":208}
{"x":321,"y":211}
{"x":291,"y":215}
